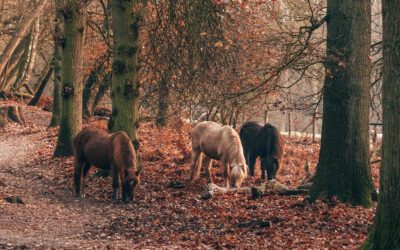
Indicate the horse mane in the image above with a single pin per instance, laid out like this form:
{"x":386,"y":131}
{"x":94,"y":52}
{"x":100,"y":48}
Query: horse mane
{"x":124,"y":153}
{"x":230,"y":140}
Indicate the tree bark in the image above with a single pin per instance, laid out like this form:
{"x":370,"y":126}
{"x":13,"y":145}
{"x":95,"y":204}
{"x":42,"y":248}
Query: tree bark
{"x":12,"y":66}
{"x":125,"y":78}
{"x":21,"y":33}
{"x":43,"y":80}
{"x":91,"y":87}
{"x":72,"y":66}
{"x":163,"y":101}
{"x":344,"y":169}
{"x":106,"y":83}
{"x":21,"y":66}
{"x":32,"y":54}
{"x":385,"y":233}
{"x":58,"y":39}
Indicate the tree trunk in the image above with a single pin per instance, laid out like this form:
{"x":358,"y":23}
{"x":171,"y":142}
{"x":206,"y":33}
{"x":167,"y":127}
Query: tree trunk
{"x":22,"y":30}
{"x":32,"y":54}
{"x":12,"y":66}
{"x":91,"y":86}
{"x":72,"y":65}
{"x":58,"y":38}
{"x":102,"y":90}
{"x":43,"y":80}
{"x":21,"y":66}
{"x":343,"y":169}
{"x":163,"y":103}
{"x":385,"y":233}
{"x":125,"y":78}
{"x":14,"y":113}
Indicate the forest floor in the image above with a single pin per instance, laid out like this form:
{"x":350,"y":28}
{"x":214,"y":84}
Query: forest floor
{"x":168,"y":212}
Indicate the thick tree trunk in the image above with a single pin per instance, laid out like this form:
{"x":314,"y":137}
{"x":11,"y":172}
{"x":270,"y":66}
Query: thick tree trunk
{"x":43,"y":80}
{"x":343,"y":169}
{"x":22,"y":30}
{"x":72,"y":64}
{"x":58,"y":38}
{"x":385,"y":233}
{"x":125,"y":78}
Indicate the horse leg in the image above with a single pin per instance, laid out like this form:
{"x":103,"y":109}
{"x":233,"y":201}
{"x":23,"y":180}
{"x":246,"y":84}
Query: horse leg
{"x":86,"y":167}
{"x":207,"y":166}
{"x":115,"y":183}
{"x":226,"y":174}
{"x":195,"y":165}
{"x":263,"y":168}
{"x":79,"y":164}
{"x":252,"y":160}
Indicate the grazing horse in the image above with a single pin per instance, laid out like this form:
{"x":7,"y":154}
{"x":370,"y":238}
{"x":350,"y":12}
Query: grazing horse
{"x":219,"y":143}
{"x":265,"y":142}
{"x":106,"y":151}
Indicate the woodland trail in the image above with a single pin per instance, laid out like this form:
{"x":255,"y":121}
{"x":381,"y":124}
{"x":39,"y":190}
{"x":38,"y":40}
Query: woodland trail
{"x":50,"y":217}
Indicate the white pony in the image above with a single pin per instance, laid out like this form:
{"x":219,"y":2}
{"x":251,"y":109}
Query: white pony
{"x":219,"y":143}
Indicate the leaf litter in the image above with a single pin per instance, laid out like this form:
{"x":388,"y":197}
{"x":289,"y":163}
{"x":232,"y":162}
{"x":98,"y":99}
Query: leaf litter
{"x":168,"y":211}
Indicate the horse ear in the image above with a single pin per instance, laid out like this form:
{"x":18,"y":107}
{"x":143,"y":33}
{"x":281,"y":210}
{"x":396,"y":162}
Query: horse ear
{"x":140,"y":170}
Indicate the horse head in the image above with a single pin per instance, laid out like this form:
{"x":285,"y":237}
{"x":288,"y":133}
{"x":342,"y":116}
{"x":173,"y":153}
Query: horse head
{"x":237,"y":174}
{"x":131,"y":181}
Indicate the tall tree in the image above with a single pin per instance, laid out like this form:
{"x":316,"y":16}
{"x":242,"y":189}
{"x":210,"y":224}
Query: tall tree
{"x":385,"y":233}
{"x":126,"y":16}
{"x":74,"y":13}
{"x":56,"y":113}
{"x":343,"y":169}
{"x":32,"y":53}
{"x":22,"y":30}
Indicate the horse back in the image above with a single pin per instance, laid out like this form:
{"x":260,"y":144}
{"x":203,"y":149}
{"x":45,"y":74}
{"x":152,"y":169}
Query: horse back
{"x":93,"y":145}
{"x":206,"y":137}
{"x":249,"y":136}
{"x":272,"y":143}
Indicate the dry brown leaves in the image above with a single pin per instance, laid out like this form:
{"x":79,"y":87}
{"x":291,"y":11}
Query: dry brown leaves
{"x":168,"y":211}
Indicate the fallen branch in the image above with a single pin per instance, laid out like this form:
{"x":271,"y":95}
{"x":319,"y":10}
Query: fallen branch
{"x":270,"y":187}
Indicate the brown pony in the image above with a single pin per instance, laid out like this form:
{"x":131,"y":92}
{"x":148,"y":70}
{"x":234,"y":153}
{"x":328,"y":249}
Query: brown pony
{"x":113,"y":152}
{"x":219,"y":143}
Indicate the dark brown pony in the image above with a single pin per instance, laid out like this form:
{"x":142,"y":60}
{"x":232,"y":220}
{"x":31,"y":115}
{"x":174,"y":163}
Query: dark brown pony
{"x":112,"y":152}
{"x":265,"y":142}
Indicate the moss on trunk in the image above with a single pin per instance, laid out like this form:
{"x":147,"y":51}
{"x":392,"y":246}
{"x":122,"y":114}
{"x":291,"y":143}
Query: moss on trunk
{"x":72,"y":65}
{"x":125,"y":78}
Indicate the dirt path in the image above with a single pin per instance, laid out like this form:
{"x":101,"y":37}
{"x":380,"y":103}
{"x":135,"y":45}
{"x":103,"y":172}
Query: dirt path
{"x":51,"y":216}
